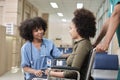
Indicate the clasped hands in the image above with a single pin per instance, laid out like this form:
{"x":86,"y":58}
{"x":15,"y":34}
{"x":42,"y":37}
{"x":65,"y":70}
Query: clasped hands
{"x":39,"y":73}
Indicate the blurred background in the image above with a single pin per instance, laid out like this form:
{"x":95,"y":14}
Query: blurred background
{"x":57,"y":13}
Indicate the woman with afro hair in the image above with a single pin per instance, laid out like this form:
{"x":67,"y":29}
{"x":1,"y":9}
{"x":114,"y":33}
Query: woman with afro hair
{"x":37,"y":52}
{"x":82,"y":28}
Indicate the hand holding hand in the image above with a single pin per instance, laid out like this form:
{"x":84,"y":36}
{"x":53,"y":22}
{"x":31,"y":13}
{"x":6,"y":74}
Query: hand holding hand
{"x":47,"y":71}
{"x":38,"y":73}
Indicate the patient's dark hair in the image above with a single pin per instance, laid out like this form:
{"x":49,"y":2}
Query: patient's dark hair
{"x":29,"y":25}
{"x":85,"y":23}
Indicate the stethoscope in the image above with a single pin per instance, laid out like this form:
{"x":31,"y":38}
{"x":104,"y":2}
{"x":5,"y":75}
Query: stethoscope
{"x":31,"y":56}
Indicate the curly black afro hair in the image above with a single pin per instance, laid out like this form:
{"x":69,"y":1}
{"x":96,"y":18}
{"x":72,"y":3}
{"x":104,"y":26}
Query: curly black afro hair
{"x":85,"y":23}
{"x":29,"y":25}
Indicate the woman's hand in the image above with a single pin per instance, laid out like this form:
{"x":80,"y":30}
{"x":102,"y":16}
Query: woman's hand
{"x":47,"y":71}
{"x":38,"y":73}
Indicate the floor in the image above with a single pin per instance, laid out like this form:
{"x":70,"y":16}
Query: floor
{"x":14,"y":74}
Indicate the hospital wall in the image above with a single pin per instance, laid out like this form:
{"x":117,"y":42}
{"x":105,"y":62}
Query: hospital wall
{"x":12,"y":12}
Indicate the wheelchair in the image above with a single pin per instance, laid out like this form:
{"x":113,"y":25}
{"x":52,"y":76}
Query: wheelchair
{"x":91,"y":57}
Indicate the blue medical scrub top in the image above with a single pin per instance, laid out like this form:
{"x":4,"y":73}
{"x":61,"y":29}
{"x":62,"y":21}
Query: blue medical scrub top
{"x":113,"y":3}
{"x":38,"y":59}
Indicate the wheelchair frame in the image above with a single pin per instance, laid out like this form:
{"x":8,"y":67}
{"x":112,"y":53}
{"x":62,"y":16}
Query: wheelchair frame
{"x":90,"y":64}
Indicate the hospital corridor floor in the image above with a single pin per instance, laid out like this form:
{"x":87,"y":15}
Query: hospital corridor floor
{"x":14,"y":74}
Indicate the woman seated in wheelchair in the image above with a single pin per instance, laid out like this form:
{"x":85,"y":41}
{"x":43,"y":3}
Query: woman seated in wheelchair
{"x":83,"y":26}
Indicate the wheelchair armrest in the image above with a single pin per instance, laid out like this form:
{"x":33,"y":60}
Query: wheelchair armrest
{"x":59,"y":58}
{"x":65,"y":68}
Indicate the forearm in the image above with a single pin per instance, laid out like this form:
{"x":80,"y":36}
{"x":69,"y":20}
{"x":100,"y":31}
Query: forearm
{"x":114,"y":22}
{"x":102,"y":33}
{"x":33,"y":71}
{"x":57,"y":74}
{"x":29,"y":70}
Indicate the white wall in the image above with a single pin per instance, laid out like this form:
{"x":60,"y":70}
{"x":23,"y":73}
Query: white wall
{"x":59,"y":29}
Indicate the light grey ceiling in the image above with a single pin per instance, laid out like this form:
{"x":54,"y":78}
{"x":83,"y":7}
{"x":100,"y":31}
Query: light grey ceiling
{"x":67,"y":7}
